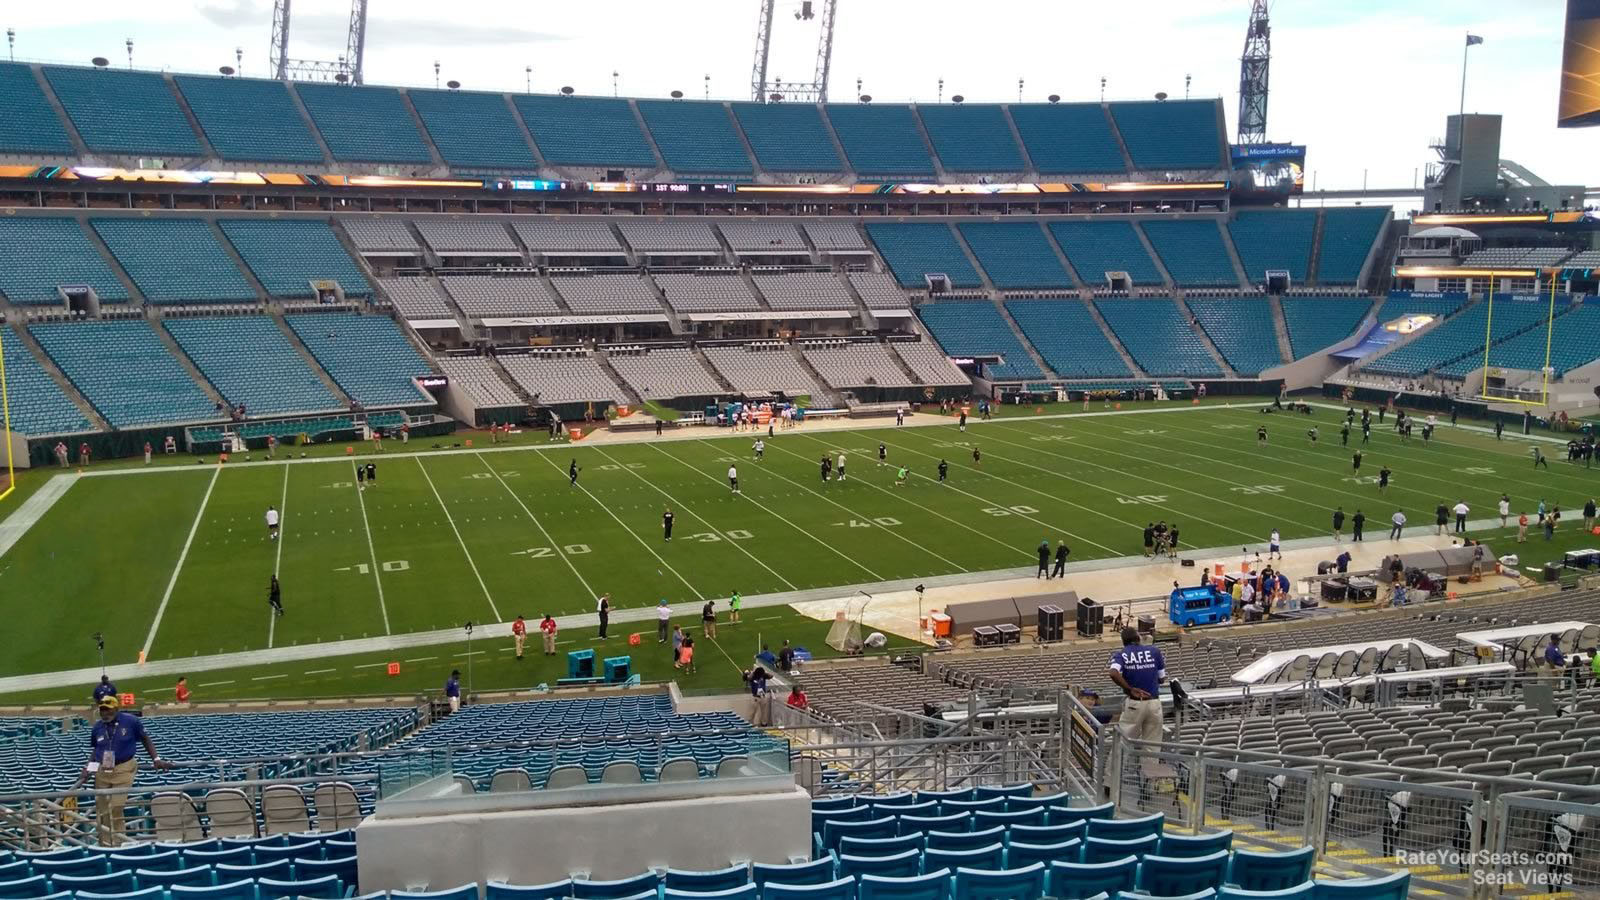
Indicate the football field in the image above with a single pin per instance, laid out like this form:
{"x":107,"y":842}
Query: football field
{"x":174,"y":561}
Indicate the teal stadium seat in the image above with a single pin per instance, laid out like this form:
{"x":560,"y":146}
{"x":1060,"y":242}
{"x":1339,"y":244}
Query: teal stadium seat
{"x":364,"y":124}
{"x":617,"y":889}
{"x":788,"y":137}
{"x":1080,"y":881}
{"x":1101,"y":850}
{"x":118,"y":111}
{"x":244,"y":889}
{"x":250,"y":361}
{"x":971,"y":137}
{"x":1015,"y":254}
{"x":906,"y":863}
{"x":1124,"y":829}
{"x":975,"y":328}
{"x":1192,"y":251}
{"x":1304,"y":891}
{"x":1170,"y":134}
{"x":1184,"y":846}
{"x":1005,"y":884}
{"x":555,"y":890}
{"x":175,"y":260}
{"x":1389,"y":887}
{"x":153,"y":893}
{"x":742,"y":892}
{"x":123,"y":369}
{"x":933,"y":885}
{"x":366,"y":355}
{"x":1068,"y":138}
{"x":585,"y":131}
{"x":915,"y":249}
{"x":38,"y":405}
{"x":1049,"y":834}
{"x":37,"y":255}
{"x":1274,"y":240}
{"x":880,"y":141}
{"x":1574,"y":342}
{"x":286,"y":256}
{"x":1019,"y":854}
{"x":473,"y":130}
{"x":991,"y":857}
{"x":1157,"y":337}
{"x":818,"y":871}
{"x":838,"y":889}
{"x":1173,"y":876}
{"x":27,"y":123}
{"x":249,"y":119}
{"x":966,"y":840}
{"x":1095,"y":248}
{"x":328,"y":887}
{"x":1348,"y":234}
{"x":1068,"y":338}
{"x":695,"y":136}
{"x":716,"y":880}
{"x":1318,"y":322}
{"x":464,"y":892}
{"x":1259,"y":870}
{"x":1242,"y":330}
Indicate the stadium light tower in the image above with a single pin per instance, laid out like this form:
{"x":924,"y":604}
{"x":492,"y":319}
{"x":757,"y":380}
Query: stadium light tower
{"x":348,"y":69}
{"x":1253,"y":66}
{"x":814,"y":91}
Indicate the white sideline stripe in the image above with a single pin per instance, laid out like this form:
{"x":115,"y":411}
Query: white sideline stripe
{"x":420,"y":659}
{"x":268,"y":677}
{"x":451,"y":519}
{"x":277,"y":563}
{"x":172,"y":583}
{"x":319,"y":671}
{"x":214,"y":683}
{"x":361,"y":499}
{"x":367,"y":666}
{"x":32,"y":510}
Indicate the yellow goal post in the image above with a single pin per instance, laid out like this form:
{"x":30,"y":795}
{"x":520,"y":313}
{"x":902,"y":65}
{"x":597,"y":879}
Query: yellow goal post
{"x":1549,"y":340}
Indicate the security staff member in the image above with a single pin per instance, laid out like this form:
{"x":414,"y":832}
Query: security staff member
{"x":112,"y":745}
{"x":1139,"y":671}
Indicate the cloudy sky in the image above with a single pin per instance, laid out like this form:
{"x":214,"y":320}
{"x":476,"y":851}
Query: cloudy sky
{"x":1365,"y":83}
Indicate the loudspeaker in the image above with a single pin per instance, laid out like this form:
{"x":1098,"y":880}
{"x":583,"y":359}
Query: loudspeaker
{"x":1091,"y":618}
{"x":1052,"y":623}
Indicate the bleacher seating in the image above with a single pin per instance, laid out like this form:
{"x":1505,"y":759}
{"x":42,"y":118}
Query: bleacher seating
{"x":915,"y":249}
{"x":1460,"y":336}
{"x":1068,"y":338}
{"x":857,"y":364}
{"x":804,"y":290}
{"x":473,"y":130}
{"x":250,"y":119}
{"x":670,"y":236}
{"x":1348,"y":234}
{"x":381,"y":237}
{"x":762,"y":370}
{"x":287,"y":255}
{"x":38,"y":254}
{"x":585,"y":131}
{"x":364,"y":124}
{"x":250,"y":362}
{"x":416,"y":297}
{"x":880,"y":141}
{"x":563,"y":377}
{"x":477,"y":377}
{"x":1517,"y":257}
{"x":1395,"y":306}
{"x":929,"y":363}
{"x":971,"y":137}
{"x":788,"y":137}
{"x":1170,"y":134}
{"x":366,"y":355}
{"x":689,"y":292}
{"x":1574,"y":341}
{"x":607,"y":293}
{"x":1242,"y":330}
{"x":1318,"y":322}
{"x":123,"y":369}
{"x":464,"y":237}
{"x":501,"y":296}
{"x":1068,"y":138}
{"x":1157,"y":337}
{"x":664,"y":374}
{"x":1095,"y":248}
{"x":27,"y":123}
{"x":695,"y":137}
{"x":757,"y":237}
{"x":835,"y":236}
{"x":1587,"y":259}
{"x":38,"y":405}
{"x":1015,"y":254}
{"x":879,"y":290}
{"x":1192,"y":251}
{"x":976,"y":328}
{"x":1274,"y":240}
{"x":175,"y":260}
{"x":555,"y":237}
{"x":117,"y":111}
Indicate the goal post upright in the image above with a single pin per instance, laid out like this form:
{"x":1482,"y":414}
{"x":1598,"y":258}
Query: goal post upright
{"x":1549,"y":341}
{"x":1488,"y":323}
{"x":5,"y":408}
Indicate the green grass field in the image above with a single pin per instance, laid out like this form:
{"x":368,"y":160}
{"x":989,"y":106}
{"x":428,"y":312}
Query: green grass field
{"x":448,"y":536}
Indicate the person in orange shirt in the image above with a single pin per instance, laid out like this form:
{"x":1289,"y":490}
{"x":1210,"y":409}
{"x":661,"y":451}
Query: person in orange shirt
{"x":1522,"y":528}
{"x":182,"y":690}
{"x":797,"y":697}
{"x":548,"y":626}
{"x":519,"y":633}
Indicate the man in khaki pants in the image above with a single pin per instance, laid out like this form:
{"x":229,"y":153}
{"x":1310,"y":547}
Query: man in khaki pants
{"x":113,"y":743}
{"x":1139,"y":670}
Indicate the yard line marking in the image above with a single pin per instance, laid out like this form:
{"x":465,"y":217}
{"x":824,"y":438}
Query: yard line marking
{"x":319,"y":671}
{"x":214,"y":683}
{"x":369,"y":665}
{"x":267,"y":677}
{"x":537,"y":524}
{"x":651,"y":550}
{"x":172,"y":583}
{"x":758,"y":560}
{"x":421,"y":659}
{"x":272,"y":614}
{"x":916,"y":504}
{"x":361,"y":500}
{"x":448,"y":518}
{"x":846,"y":557}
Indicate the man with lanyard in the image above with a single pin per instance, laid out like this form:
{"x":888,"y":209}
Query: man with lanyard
{"x":452,"y":690}
{"x":113,"y":744}
{"x":1138,"y":670}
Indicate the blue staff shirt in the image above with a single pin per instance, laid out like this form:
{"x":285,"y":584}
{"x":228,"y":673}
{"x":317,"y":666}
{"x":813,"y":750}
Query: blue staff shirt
{"x":452,"y":687}
{"x":103,"y":690}
{"x":1142,"y":667}
{"x":120,"y":736}
{"x":1553,"y":656}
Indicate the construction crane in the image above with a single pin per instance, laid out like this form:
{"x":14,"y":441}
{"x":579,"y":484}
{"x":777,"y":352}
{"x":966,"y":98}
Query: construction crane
{"x":348,"y":68}
{"x":1253,"y":68}
{"x":771,"y":91}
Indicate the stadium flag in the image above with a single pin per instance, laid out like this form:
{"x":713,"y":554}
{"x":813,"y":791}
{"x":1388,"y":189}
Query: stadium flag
{"x":1473,"y":39}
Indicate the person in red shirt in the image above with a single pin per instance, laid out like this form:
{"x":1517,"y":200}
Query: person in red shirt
{"x":797,"y":697}
{"x":182,"y":691}
{"x":83,"y":453}
{"x":548,"y":626}
{"x":519,"y":633}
